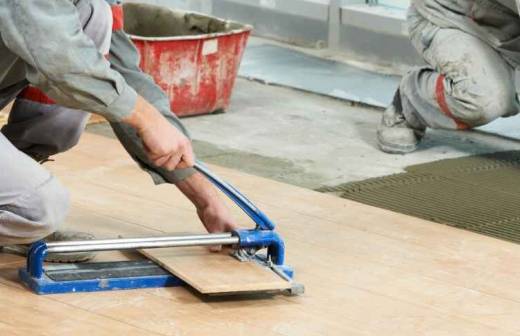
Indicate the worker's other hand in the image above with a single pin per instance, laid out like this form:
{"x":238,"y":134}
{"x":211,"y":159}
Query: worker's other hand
{"x":165,"y":145}
{"x":212,"y":211}
{"x":216,"y":217}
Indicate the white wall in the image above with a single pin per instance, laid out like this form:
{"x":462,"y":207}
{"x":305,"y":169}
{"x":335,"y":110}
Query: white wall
{"x":374,"y":32}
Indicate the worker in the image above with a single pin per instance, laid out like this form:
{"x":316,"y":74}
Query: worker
{"x":472,"y":51}
{"x":59,"y":60}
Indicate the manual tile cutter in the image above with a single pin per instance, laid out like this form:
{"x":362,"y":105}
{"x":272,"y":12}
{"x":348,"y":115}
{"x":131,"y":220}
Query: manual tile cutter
{"x":104,"y":276}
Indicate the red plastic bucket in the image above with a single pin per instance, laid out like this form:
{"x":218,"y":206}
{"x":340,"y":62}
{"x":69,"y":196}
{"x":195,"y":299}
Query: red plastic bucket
{"x":192,"y":57}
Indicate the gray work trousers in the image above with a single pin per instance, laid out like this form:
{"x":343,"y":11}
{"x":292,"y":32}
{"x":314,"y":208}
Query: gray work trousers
{"x":467,"y":82}
{"x":33,"y":203}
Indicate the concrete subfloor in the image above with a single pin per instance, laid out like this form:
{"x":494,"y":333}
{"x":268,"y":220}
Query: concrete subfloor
{"x":313,"y":141}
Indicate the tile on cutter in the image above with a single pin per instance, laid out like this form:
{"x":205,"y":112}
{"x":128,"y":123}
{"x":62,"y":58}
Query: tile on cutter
{"x":216,"y":273}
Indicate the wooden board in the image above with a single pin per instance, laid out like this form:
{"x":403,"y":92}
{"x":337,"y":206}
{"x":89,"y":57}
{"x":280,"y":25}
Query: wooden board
{"x":367,"y":271}
{"x":216,"y":273}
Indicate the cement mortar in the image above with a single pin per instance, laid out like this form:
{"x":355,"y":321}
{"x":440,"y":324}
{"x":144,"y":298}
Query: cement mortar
{"x":478,"y":193}
{"x":155,"y":21}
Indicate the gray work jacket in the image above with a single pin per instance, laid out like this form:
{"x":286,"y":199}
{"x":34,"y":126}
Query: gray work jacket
{"x":42,"y":41}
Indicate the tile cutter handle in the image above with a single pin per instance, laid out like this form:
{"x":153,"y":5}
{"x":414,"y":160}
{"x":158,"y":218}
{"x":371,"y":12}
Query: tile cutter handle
{"x":261,"y":220}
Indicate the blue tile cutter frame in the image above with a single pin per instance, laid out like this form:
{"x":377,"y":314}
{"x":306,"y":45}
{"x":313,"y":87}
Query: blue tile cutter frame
{"x":105,"y":276}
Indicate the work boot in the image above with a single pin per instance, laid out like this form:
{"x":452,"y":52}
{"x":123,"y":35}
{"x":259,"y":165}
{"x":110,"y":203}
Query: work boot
{"x":394,"y":134}
{"x":58,"y":236}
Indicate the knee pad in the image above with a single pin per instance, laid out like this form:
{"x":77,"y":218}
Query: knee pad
{"x":479,"y":104}
{"x":500,"y":105}
{"x":46,"y":207}
{"x":35,"y":213}
{"x":482,"y":110}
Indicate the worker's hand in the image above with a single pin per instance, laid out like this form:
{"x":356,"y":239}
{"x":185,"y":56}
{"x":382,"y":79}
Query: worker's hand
{"x":212,"y":211}
{"x":165,"y":145}
{"x":216,"y":217}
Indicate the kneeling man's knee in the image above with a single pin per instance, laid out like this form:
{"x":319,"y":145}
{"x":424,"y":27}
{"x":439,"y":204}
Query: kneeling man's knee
{"x":44,"y":208}
{"x":498,"y":104}
{"x":482,"y":105}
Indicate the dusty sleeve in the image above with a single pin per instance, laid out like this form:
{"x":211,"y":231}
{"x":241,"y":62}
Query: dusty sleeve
{"x":125,"y":59}
{"x":61,"y":60}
